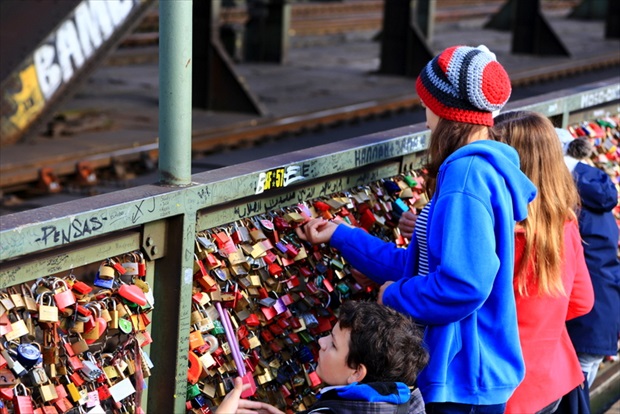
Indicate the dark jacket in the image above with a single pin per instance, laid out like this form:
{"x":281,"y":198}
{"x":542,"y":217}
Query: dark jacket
{"x":372,"y":398}
{"x":597,"y":331}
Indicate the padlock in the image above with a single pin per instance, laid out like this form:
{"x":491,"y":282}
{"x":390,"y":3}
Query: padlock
{"x":75,"y":363}
{"x":125,"y":325}
{"x":81,"y":288}
{"x":28,"y":355}
{"x":90,"y":370}
{"x":63,"y":296}
{"x":122,"y":390}
{"x":113,"y":324}
{"x":47,"y":392}
{"x":194,"y":368}
{"x":73,"y":392}
{"x":79,"y":346}
{"x":22,"y":401}
{"x":47,"y":311}
{"x":130,"y":264}
{"x":103,"y":282}
{"x":16,"y":298}
{"x":18,"y":327}
{"x":31,"y":305}
{"x":133,"y":294}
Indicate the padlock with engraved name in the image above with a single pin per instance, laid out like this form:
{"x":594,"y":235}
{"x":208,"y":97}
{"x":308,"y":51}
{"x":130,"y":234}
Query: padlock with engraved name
{"x":47,"y":311}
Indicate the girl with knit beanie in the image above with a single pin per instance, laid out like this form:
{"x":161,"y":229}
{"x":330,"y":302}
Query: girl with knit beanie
{"x":465,"y":301}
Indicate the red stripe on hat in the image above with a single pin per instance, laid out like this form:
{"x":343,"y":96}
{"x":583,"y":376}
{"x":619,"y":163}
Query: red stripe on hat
{"x":452,"y":114}
{"x":495,"y":83}
{"x":446,"y":56}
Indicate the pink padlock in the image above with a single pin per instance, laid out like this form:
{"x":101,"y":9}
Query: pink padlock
{"x":63,"y":296}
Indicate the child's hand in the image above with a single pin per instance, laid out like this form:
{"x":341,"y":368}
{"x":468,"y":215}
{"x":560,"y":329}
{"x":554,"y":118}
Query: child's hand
{"x":406,"y":224}
{"x":230,"y":404}
{"x":234,"y":404}
{"x":381,"y":291}
{"x":317,"y":231}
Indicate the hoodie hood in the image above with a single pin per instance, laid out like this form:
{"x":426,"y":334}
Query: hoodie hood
{"x":596,"y":190}
{"x":505,"y":160}
{"x":387,"y":392}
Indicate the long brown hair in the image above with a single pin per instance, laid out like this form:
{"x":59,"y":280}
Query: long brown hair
{"x":447,"y":137}
{"x":540,"y":152}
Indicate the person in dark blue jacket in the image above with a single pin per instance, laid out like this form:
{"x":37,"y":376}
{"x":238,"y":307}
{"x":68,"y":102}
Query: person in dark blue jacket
{"x":595,"y":334}
{"x":466,"y":300}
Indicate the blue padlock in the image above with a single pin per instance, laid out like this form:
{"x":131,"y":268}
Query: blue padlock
{"x":103,"y":283}
{"x":28,"y":355}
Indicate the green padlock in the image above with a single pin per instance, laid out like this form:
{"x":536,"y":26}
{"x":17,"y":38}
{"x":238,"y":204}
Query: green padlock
{"x":125,"y":325}
{"x":306,"y":337}
{"x":410,"y":181}
{"x":218,"y":328}
{"x":192,"y":391}
{"x":343,"y":288}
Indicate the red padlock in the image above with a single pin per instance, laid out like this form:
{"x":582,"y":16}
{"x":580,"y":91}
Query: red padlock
{"x":81,"y":287}
{"x":133,"y":294}
{"x":252,"y":320}
{"x":22,"y":401}
{"x":194,"y":368}
{"x":63,"y":296}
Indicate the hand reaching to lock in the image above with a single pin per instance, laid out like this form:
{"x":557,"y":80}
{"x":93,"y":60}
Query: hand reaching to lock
{"x":406,"y":224}
{"x":317,"y":231}
{"x":233,"y":403}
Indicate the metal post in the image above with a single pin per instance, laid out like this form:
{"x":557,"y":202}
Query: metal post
{"x":175,"y":92}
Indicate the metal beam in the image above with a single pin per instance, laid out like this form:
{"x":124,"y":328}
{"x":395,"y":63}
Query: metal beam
{"x":531,"y":32}
{"x":215,"y":84}
{"x":266,"y":32}
{"x":404,"y":49}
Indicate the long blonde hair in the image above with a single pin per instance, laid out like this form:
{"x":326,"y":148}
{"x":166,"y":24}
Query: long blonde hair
{"x":540,"y":152}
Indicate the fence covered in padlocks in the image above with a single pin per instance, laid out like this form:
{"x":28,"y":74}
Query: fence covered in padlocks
{"x":74,"y":344}
{"x":280,"y":293}
{"x":236,"y":292}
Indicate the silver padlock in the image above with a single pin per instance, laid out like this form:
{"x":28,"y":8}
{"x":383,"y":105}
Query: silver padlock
{"x":90,"y":368}
{"x":38,"y":376}
{"x":15,"y":366}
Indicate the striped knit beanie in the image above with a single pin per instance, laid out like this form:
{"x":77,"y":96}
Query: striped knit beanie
{"x":464,"y":84}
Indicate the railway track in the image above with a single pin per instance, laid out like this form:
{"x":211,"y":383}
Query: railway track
{"x":69,"y":167}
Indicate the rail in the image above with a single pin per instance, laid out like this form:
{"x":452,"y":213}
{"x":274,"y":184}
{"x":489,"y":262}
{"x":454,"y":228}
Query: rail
{"x":163,"y":221}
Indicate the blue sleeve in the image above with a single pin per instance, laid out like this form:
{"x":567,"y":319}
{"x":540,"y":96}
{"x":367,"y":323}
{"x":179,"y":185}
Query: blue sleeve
{"x":463,"y":245}
{"x":379,"y":260}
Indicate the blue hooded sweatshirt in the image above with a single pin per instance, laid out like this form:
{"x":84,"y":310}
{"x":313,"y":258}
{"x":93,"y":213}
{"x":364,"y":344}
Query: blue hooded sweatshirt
{"x":597,"y":332}
{"x":466,"y":301}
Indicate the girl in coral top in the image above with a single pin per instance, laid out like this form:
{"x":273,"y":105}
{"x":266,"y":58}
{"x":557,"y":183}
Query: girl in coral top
{"x":552,"y":291}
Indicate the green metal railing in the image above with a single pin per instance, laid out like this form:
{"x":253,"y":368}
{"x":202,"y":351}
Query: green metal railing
{"x":162,"y":221}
